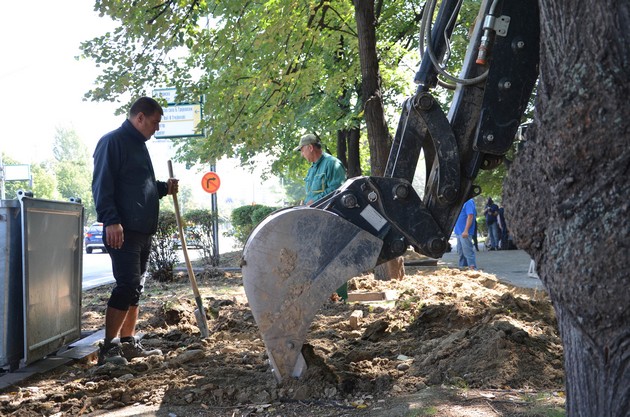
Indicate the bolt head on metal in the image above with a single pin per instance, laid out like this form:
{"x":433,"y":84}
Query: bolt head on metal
{"x":401,"y":191}
{"x":490,"y":137}
{"x":349,"y":201}
{"x":372,"y":196}
{"x":291,"y":345}
{"x":398,"y":246}
{"x":520,"y":44}
{"x":424,"y":101}
{"x":437,"y":245}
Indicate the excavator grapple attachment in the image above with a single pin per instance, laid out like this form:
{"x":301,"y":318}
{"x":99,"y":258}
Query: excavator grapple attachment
{"x":292,"y":263}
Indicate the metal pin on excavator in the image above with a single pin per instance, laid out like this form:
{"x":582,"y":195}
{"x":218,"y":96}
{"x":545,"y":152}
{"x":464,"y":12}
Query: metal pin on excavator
{"x":296,"y":258}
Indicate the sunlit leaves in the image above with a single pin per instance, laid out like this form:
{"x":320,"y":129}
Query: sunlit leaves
{"x":269,"y":70}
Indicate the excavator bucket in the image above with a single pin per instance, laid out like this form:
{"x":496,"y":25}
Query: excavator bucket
{"x":293,"y":261}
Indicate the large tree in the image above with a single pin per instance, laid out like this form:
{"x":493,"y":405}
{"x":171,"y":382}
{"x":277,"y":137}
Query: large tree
{"x":269,"y":70}
{"x":567,"y":195}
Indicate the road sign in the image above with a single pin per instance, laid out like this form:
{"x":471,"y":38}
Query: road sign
{"x":167,"y":94}
{"x":180,"y":120}
{"x":17,"y":172}
{"x":210,"y":182}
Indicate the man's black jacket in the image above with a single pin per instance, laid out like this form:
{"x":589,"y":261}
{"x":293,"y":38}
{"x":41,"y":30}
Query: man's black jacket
{"x":124,"y":186}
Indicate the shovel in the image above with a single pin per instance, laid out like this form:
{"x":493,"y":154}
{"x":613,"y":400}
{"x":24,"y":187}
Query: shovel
{"x":200,"y":313}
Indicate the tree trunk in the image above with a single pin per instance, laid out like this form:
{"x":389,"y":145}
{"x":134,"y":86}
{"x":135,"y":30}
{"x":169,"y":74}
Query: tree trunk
{"x":348,"y":150}
{"x":342,"y":147}
{"x":378,"y":134}
{"x":567,"y":195}
{"x":354,"y":162}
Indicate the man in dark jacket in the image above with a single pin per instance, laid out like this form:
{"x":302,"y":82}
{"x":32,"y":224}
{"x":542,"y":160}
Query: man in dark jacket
{"x":126,"y":195}
{"x":491,"y":212}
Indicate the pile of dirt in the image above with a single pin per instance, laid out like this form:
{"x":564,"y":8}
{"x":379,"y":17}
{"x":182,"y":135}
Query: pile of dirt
{"x":441,"y":329}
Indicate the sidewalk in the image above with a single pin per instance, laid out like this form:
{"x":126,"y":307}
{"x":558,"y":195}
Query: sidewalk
{"x":509,"y":266}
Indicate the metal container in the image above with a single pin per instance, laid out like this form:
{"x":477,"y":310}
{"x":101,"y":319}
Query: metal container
{"x":52,"y":261}
{"x":11,"y":298}
{"x":41,"y":258}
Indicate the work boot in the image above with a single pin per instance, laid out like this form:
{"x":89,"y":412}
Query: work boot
{"x":132,"y":348}
{"x":111,"y":354}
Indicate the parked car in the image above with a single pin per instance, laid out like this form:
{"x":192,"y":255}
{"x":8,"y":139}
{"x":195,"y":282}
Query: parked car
{"x":94,"y":238}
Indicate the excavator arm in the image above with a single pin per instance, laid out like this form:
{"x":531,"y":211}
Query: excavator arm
{"x":296,"y":258}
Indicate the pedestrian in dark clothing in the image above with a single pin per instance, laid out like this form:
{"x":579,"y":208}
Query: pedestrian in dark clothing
{"x":474,"y":236}
{"x":126,"y":195}
{"x":491,"y":211}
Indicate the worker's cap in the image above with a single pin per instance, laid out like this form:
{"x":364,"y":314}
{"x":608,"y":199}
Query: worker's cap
{"x":308,"y":139}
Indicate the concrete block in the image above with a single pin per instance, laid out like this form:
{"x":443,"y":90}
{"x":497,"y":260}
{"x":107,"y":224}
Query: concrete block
{"x":355,"y":319}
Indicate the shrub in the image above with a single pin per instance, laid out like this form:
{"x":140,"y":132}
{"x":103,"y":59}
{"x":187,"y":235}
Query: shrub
{"x":200,"y":228}
{"x":246,"y":218}
{"x":163,"y":255}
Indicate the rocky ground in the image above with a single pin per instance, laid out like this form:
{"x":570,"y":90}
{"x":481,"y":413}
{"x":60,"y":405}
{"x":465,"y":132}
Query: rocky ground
{"x":449,"y":343}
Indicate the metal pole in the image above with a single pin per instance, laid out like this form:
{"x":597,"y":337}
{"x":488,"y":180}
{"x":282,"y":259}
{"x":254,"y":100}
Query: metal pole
{"x":215,"y":217}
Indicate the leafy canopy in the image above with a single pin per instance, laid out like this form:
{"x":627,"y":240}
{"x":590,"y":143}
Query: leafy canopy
{"x":268,"y":70}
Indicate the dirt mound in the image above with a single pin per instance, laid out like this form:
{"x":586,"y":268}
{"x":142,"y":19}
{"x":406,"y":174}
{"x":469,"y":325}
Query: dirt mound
{"x":442,"y":327}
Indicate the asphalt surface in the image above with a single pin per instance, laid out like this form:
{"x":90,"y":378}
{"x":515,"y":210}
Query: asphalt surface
{"x":509,"y":266}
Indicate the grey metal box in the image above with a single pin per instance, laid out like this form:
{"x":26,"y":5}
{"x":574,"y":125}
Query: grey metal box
{"x":52,"y":252}
{"x":11,"y":298}
{"x":41,"y":258}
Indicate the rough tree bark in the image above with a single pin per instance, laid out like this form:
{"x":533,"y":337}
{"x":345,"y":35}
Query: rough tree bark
{"x":567,"y":195}
{"x":378,"y":135}
{"x":348,"y":150}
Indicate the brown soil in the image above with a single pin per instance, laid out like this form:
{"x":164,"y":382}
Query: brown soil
{"x":450,"y":343}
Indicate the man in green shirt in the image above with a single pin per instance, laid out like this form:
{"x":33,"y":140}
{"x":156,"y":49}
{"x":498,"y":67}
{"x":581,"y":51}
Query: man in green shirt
{"x":326,"y":173}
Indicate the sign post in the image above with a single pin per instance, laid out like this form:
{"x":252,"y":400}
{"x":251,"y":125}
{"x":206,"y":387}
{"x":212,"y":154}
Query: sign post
{"x":210,"y":184}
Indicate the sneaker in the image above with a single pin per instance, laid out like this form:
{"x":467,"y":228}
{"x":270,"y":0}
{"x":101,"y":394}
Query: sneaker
{"x":134,"y":349}
{"x":113,"y":354}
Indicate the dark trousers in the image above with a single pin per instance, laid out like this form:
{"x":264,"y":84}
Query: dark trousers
{"x":129,"y":263}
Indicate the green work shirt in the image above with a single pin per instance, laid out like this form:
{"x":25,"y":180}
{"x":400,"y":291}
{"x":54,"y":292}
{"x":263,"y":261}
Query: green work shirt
{"x":323,"y":177}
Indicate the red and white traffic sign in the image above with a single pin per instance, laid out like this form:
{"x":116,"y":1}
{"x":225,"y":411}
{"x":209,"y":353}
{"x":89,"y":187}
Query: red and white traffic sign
{"x":210,"y":182}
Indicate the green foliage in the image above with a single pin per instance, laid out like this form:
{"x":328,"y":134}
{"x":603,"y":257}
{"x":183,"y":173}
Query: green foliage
{"x":68,"y":174}
{"x":246,"y":218}
{"x":293,"y":187}
{"x":163,"y":255}
{"x":200,"y":227}
{"x":482,"y":227}
{"x":268,"y":70}
{"x":45,"y":184}
{"x":73,"y":170}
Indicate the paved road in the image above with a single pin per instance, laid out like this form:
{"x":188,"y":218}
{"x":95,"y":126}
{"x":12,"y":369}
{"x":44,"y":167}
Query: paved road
{"x":510,"y":266}
{"x":97,"y":270}
{"x":97,"y":267}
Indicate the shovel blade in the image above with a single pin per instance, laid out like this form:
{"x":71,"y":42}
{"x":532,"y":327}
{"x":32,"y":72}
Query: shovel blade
{"x":202,"y":323}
